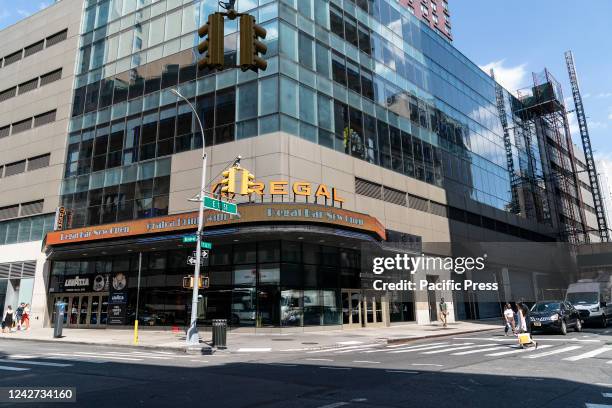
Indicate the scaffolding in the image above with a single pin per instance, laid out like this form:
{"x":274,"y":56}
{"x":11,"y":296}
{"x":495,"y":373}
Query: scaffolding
{"x":588,"y":151}
{"x":541,"y":112}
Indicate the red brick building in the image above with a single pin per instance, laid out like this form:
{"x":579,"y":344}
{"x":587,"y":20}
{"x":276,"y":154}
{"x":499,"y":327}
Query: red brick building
{"x":434,"y":12}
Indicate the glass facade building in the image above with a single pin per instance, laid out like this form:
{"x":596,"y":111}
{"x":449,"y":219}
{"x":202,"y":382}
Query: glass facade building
{"x":365,"y":78}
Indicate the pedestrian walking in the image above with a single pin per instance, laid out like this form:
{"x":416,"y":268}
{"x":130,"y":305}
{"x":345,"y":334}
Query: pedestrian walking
{"x":509,"y":320}
{"x":443,"y":312}
{"x":7,"y":321}
{"x":524,"y":335}
{"x":26,"y":317}
{"x":19,"y":315}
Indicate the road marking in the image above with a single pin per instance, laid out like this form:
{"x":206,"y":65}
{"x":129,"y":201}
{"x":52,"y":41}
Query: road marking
{"x":334,"y":349}
{"x":606,"y":394}
{"x":590,"y":354}
{"x":463,"y":353}
{"x":64,"y":356}
{"x":454,"y":348}
{"x":545,"y":339}
{"x":336,"y":368}
{"x":254,"y":350}
{"x":349,"y":343}
{"x":9,"y":368}
{"x":116,"y":353}
{"x":421,"y":348}
{"x":364,"y":348}
{"x":556,"y":351}
{"x":198,"y":361}
{"x":518,"y":350}
{"x":402,"y":372}
{"x":429,"y":365}
{"x":409,"y":347}
{"x":597,"y":405}
{"x":604,"y":384}
{"x":334,"y":405}
{"x":93,"y":355}
{"x":366,"y":362}
{"x":40,"y":363}
{"x":319,"y":359}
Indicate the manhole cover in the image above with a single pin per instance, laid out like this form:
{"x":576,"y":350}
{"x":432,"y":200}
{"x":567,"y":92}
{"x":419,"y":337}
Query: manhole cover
{"x":282,"y":339}
{"x":310,"y":342}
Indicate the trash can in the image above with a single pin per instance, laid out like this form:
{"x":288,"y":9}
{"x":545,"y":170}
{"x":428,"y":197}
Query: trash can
{"x":59,"y":319}
{"x":219,"y":333}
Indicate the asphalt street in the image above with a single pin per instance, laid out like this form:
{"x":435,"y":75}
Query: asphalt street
{"x":475,"y":370}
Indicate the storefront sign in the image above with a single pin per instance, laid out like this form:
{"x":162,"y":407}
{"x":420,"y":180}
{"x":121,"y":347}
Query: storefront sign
{"x":249,"y":213}
{"x":297,"y":189}
{"x":116,"y":314}
{"x":77,"y":284}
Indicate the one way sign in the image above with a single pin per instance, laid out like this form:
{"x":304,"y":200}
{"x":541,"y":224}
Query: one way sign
{"x":204,"y":259}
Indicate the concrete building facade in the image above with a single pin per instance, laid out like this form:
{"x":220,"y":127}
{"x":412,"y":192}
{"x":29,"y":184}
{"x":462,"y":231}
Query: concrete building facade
{"x":36,"y":78}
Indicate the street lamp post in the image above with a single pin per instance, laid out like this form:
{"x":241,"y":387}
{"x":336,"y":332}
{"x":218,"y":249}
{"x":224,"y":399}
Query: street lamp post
{"x":192,"y":338}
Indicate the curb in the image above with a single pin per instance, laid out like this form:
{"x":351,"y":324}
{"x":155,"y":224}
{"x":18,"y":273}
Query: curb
{"x":207,"y":350}
{"x":91,"y":343}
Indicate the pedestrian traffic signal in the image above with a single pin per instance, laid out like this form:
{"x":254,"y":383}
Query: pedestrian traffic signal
{"x":212,"y":47}
{"x":250,"y":45}
{"x":228,"y":182}
{"x":247,"y":182}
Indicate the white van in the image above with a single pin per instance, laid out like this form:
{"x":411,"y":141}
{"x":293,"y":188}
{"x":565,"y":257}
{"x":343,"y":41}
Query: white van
{"x":592,"y":300}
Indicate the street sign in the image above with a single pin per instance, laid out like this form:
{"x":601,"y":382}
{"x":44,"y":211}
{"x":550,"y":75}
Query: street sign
{"x":219,"y":205}
{"x":206,"y":245}
{"x":204,"y":253}
{"x":190,"y":239}
{"x":204,"y":258}
{"x":191,"y":260}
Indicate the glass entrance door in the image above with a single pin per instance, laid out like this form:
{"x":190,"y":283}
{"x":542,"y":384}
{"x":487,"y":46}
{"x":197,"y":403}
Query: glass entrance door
{"x":351,"y":308}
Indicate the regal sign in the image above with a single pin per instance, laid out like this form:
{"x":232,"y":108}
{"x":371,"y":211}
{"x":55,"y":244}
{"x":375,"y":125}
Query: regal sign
{"x":250,"y":213}
{"x":298,"y":189}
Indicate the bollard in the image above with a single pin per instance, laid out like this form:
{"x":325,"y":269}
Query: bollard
{"x":59,"y":319}
{"x":221,"y":337}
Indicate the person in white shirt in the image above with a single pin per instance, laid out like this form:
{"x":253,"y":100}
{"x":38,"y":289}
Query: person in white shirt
{"x":509,"y":319}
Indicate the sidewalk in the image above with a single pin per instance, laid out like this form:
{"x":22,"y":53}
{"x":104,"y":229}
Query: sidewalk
{"x":241,"y":342}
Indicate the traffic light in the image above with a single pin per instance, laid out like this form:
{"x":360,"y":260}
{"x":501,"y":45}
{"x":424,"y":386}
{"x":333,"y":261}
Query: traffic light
{"x":212,"y":47}
{"x":228,"y":182}
{"x":250,"y":46}
{"x":247,"y":181}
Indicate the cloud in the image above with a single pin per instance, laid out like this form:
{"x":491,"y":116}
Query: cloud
{"x":4,"y":14}
{"x":610,"y":116}
{"x":511,"y":78}
{"x":604,"y":95}
{"x":43,"y":5}
{"x":597,"y":125}
{"x":23,"y":13}
{"x":573,"y":124}
{"x":603,"y":163}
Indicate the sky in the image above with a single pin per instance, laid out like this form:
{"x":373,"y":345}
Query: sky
{"x":12,"y":11}
{"x":519,"y":37}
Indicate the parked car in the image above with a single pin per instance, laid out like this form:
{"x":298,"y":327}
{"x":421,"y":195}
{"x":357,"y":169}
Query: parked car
{"x":556,"y":315}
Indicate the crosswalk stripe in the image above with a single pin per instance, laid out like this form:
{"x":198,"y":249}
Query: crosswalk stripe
{"x":97,"y":355}
{"x":463,"y":353}
{"x":518,"y":350}
{"x":606,"y":394}
{"x":555,"y":351}
{"x":116,"y":353}
{"x":404,"y":347}
{"x":364,"y":348}
{"x":564,"y":339}
{"x":588,"y":405}
{"x":328,"y":349}
{"x":40,"y":363}
{"x":455,"y":348}
{"x":423,"y":348}
{"x":590,"y":354}
{"x":71,"y":357}
{"x":9,"y":368}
